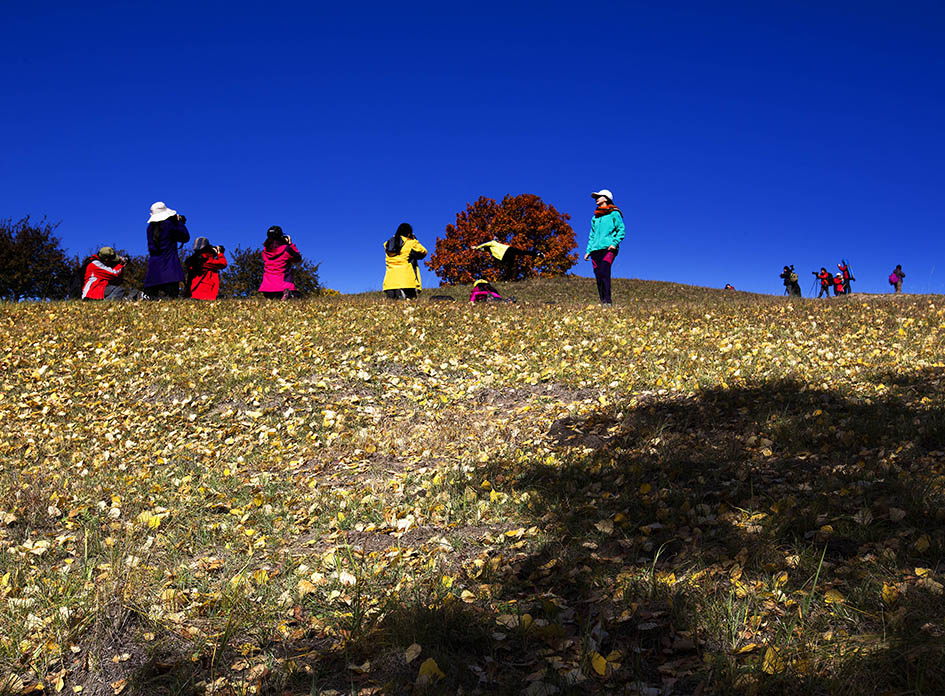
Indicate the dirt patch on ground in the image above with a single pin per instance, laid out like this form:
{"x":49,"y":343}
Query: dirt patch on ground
{"x":110,"y":654}
{"x":510,"y":397}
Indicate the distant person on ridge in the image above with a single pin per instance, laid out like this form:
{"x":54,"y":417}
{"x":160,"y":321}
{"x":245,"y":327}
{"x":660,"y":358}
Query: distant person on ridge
{"x":603,"y":243}
{"x":824,"y":278}
{"x":791,"y":286}
{"x":847,"y":276}
{"x":838,"y":285}
{"x":279,"y":253}
{"x":895,"y":278}
{"x":165,"y":230}
{"x":506,"y":255}
{"x":99,"y":270}
{"x":203,"y":270}
{"x":401,"y":254}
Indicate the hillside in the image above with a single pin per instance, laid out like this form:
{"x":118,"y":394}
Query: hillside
{"x":694,"y":491}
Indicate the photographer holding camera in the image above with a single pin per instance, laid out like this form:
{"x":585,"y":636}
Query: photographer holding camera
{"x":279,"y":253}
{"x":791,"y":286}
{"x":165,"y":230}
{"x":203,"y":270}
{"x":825,"y":280}
{"x":102,"y":275}
{"x":401,"y":254}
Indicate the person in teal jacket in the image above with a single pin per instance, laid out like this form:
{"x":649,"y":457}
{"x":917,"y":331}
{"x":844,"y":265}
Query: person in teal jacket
{"x":603,"y":244}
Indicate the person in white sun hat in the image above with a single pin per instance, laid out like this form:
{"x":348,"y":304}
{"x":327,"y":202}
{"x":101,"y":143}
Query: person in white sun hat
{"x":165,"y":230}
{"x":603,"y":244}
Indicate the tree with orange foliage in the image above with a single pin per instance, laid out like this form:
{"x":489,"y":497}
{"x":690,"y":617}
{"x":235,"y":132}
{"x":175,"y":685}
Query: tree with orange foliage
{"x":523,"y":222}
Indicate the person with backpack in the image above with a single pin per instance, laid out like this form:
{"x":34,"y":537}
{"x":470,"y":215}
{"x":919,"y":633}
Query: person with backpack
{"x":166,"y":229}
{"x":401,"y":254}
{"x":791,"y":286}
{"x":203,"y":270}
{"x":506,"y":255}
{"x":824,"y":278}
{"x":847,"y":276}
{"x":102,"y":275}
{"x":603,"y":243}
{"x":896,"y":278}
{"x":279,"y":254}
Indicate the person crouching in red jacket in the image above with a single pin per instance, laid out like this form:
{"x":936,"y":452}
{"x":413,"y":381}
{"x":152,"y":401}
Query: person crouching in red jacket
{"x":203,"y":270}
{"x":102,"y":275}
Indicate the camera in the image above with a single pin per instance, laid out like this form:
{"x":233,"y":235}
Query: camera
{"x":219,"y":248}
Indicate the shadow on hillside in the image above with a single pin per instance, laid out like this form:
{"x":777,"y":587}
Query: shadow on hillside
{"x":749,"y":482}
{"x":742,"y":484}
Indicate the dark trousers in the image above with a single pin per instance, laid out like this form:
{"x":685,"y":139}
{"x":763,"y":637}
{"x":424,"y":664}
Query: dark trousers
{"x":401,"y":294}
{"x":171,"y":290}
{"x":602,"y":260}
{"x":508,"y":261}
{"x":114,"y":292}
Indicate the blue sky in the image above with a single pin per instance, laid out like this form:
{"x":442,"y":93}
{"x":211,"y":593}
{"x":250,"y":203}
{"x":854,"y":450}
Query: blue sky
{"x":736,"y":137}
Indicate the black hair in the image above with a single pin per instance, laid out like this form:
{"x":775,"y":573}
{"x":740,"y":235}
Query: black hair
{"x":274,"y":238}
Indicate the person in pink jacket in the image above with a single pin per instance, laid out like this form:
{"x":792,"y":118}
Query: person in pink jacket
{"x":279,"y":253}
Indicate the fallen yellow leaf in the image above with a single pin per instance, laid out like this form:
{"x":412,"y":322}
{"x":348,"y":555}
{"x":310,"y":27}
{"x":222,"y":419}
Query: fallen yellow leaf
{"x":773,"y":662}
{"x":412,"y":653}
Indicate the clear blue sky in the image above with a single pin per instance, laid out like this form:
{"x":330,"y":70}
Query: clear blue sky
{"x":736,"y":137}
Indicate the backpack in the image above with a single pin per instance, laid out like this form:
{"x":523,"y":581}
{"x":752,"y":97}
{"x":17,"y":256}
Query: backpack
{"x":393,"y":245}
{"x":893,"y":278}
{"x":78,"y":279}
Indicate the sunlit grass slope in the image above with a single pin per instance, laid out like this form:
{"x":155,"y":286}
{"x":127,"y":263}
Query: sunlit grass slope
{"x":694,"y":491}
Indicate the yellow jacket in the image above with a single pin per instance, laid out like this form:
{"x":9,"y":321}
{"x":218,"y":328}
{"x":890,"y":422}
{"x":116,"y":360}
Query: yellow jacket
{"x":401,"y":274}
{"x":497,"y":249}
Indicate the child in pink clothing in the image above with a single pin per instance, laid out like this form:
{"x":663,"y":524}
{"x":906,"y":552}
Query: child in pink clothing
{"x":482,"y":291}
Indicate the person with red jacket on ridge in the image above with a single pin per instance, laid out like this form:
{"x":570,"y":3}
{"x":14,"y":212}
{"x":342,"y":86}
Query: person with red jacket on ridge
{"x":99,"y":270}
{"x":847,"y":276}
{"x":824,"y":278}
{"x":838,"y":285}
{"x":203,"y":270}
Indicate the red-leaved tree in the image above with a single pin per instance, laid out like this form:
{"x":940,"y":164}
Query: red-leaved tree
{"x":524,"y":222}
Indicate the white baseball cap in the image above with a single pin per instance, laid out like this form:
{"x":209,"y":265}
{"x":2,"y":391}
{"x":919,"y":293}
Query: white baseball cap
{"x":603,"y":192}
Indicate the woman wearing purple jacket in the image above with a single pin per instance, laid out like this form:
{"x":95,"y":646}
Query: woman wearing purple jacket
{"x":165,"y":230}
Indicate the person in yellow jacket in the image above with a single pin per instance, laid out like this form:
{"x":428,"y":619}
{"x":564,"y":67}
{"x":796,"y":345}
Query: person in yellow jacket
{"x":402,"y":251}
{"x":506,"y":254}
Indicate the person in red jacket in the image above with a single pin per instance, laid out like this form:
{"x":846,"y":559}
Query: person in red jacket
{"x":847,"y":276}
{"x":824,"y":278}
{"x":203,"y":270}
{"x":101,"y":270}
{"x":838,"y":285}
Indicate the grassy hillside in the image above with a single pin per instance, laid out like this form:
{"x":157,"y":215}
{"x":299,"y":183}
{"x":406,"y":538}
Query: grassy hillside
{"x":695,"y":491}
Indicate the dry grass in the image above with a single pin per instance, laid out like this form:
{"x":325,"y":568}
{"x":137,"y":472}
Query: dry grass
{"x":692,"y":491}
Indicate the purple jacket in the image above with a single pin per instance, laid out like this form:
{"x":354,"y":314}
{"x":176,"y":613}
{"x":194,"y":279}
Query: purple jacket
{"x":163,"y":262}
{"x":277,"y":268}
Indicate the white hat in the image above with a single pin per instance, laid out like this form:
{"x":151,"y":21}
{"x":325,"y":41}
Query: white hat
{"x":603,"y":192}
{"x":160,"y":212}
